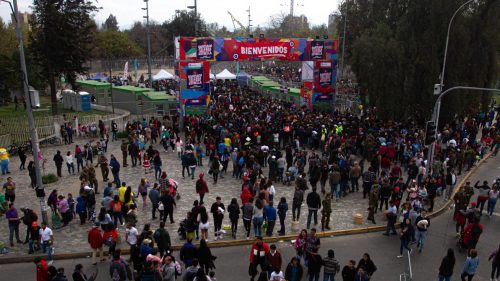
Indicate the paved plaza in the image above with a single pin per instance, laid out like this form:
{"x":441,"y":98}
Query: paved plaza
{"x":73,"y":238}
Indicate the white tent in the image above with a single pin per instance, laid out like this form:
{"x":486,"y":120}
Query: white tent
{"x":212,"y":76}
{"x":225,"y":75}
{"x":163,"y":75}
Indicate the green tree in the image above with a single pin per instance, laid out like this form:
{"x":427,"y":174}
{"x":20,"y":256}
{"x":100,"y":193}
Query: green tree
{"x":115,"y":44}
{"x":111,"y":23}
{"x":62,"y":36}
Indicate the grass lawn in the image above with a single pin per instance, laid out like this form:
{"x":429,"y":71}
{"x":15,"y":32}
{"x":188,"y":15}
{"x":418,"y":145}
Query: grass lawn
{"x":44,"y":110}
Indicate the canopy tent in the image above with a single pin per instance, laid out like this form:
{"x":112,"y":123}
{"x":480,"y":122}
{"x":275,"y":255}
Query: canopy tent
{"x":100,"y":76}
{"x":243,"y":78}
{"x":163,"y":75}
{"x":212,"y":76}
{"x":225,"y":75}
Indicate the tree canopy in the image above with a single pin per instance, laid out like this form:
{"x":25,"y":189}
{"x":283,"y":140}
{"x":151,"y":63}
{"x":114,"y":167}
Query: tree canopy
{"x":396,"y":50}
{"x":62,"y":35}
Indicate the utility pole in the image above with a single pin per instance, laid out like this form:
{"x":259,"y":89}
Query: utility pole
{"x":291,"y":7}
{"x":343,"y":43}
{"x":149,"y":43}
{"x":249,"y":21}
{"x":195,"y":8}
{"x":33,"y":133}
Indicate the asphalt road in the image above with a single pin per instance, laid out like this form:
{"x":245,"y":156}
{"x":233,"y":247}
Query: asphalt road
{"x":232,"y":262}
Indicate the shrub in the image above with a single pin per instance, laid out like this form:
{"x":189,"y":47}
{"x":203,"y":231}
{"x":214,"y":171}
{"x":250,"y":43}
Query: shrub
{"x":50,"y":178}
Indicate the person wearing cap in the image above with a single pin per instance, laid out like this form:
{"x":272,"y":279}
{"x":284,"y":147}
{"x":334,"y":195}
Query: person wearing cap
{"x":201,"y":187}
{"x":95,"y":240}
{"x":34,"y":238}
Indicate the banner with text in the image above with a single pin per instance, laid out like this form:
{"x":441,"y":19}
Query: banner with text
{"x":255,"y":49}
{"x":195,"y":78}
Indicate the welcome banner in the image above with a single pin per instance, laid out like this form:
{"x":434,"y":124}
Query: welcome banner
{"x":255,"y":49}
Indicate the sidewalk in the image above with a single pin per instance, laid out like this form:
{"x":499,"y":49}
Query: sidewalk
{"x":73,"y":238}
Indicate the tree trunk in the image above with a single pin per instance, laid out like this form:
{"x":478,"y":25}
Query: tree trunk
{"x":53,"y":93}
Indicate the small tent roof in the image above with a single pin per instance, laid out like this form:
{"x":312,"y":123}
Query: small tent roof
{"x":244,"y":74}
{"x":225,"y":74}
{"x":163,"y":75}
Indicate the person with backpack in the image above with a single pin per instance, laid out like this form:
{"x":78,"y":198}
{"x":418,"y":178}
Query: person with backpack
{"x":331,"y":266}
{"x":472,"y":233}
{"x":201,"y":187}
{"x":29,"y":217}
{"x":162,"y":239}
{"x":118,"y":268}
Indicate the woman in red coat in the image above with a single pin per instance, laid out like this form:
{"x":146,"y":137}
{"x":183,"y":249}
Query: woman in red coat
{"x":95,"y":241}
{"x":258,"y":257}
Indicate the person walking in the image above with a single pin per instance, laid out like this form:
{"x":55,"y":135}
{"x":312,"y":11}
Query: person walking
{"x":326,"y":211}
{"x":392,"y":214}
{"x":367,"y":263}
{"x":447,"y":265}
{"x":157,"y":163}
{"x":405,"y":236}
{"x":14,"y":220}
{"x":270,"y":216}
{"x":258,"y":217}
{"x":58,"y":160}
{"x":204,"y":256}
{"x":470,"y":265}
{"x":115,"y":169}
{"x":258,"y":257}
{"x":47,"y":241}
{"x":313,"y":204}
{"x":154,"y":197}
{"x":168,"y":203}
{"x":10,"y":190}
{"x":495,"y":264}
{"x":95,"y":240}
{"x":234,"y":216}
{"x":331,"y":266}
{"x":294,"y":270}
{"x":492,"y":199}
{"x":217,"y":209}
{"x":162,"y":239}
{"x":298,"y":198}
{"x":314,"y":264}
{"x":203,"y":223}
{"x":247,"y":214}
{"x":422,"y":222}
{"x":274,"y":260}
{"x":282,"y":210}
{"x":201,"y":187}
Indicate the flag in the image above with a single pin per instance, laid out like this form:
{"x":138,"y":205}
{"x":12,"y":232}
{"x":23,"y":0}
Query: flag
{"x":136,"y":66}
{"x":125,"y":72}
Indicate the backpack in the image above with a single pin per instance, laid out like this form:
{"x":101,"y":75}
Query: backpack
{"x":157,"y":235}
{"x":117,"y":208}
{"x":475,"y":232}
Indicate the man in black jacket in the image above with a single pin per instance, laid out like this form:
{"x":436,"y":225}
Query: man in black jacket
{"x":313,"y":204}
{"x":217,"y":211}
{"x":58,"y":160}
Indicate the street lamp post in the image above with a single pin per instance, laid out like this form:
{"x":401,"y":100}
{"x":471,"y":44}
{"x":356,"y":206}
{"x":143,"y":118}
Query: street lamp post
{"x":149,"y":43}
{"x":343,"y":43}
{"x":437,"y":106}
{"x":31,"y":122}
{"x":195,"y":8}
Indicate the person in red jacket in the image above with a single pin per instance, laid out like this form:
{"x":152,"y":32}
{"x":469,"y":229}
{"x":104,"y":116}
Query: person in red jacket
{"x":42,"y":273}
{"x":245,"y":196}
{"x":95,"y":241}
{"x":109,"y":238}
{"x":472,"y":232}
{"x":201,"y":187}
{"x":258,"y":257}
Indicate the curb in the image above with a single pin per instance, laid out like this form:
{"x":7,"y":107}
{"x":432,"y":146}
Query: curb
{"x":221,"y":244}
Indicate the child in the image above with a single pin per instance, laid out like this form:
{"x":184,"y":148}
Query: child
{"x":276,"y":275}
{"x":146,"y":164}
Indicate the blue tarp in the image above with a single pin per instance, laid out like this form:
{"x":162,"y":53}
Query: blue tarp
{"x":99,"y":77}
{"x":243,"y":78}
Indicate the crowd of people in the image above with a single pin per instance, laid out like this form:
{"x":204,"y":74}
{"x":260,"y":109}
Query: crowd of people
{"x":326,"y":155}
